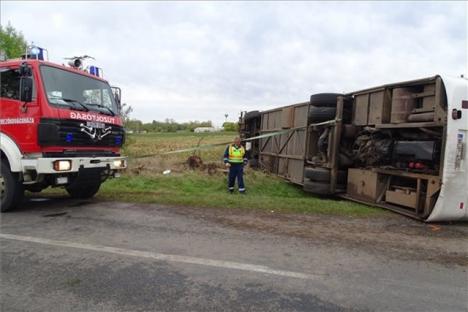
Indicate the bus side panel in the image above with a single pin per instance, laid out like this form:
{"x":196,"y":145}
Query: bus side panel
{"x":453,"y":199}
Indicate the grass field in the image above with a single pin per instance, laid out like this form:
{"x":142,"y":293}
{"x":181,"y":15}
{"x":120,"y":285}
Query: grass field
{"x":144,"y":181}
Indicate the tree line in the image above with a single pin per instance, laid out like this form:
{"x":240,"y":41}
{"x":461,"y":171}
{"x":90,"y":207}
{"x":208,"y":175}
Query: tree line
{"x":168,"y":125}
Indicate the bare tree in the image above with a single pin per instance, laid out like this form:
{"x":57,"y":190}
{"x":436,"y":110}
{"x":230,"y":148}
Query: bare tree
{"x":125,"y":112}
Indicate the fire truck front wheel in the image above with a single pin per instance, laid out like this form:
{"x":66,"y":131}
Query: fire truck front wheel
{"x":12,"y":190}
{"x":83,"y":191}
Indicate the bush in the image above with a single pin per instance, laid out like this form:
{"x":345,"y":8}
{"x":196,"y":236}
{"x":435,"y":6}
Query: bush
{"x":231,"y":126}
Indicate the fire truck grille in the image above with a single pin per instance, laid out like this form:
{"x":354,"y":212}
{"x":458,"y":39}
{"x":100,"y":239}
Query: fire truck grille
{"x":66,"y":132}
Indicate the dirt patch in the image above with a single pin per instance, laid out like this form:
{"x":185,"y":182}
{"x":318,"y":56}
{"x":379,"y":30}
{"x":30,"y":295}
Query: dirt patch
{"x":392,"y":236}
{"x":156,"y":166}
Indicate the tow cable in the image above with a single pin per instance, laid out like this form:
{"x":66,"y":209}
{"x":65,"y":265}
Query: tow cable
{"x":208,"y":146}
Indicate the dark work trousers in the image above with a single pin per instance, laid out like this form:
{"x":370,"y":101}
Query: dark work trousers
{"x":236,"y":171}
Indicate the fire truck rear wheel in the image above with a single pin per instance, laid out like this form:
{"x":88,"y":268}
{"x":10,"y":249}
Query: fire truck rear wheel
{"x":12,"y":190}
{"x":83,"y":191}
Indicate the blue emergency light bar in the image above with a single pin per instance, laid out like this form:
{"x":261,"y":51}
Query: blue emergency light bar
{"x":95,"y":71}
{"x":34,"y":52}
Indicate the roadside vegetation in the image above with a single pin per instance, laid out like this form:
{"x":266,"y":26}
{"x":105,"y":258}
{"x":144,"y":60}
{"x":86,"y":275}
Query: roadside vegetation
{"x":168,"y":125}
{"x":205,"y":185}
{"x":197,"y":189}
{"x":12,"y":42}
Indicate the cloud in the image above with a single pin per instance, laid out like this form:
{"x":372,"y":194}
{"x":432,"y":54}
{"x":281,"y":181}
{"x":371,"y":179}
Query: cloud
{"x":200,"y":60}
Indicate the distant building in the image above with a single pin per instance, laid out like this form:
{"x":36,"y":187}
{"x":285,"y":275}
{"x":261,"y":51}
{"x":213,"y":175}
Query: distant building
{"x":207,"y":129}
{"x":136,"y":131}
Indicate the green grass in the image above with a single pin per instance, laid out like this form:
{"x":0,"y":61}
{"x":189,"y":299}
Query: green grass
{"x":195,"y":189}
{"x":144,"y":181}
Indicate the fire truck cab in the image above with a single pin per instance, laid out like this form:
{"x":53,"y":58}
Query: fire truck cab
{"x":60,"y":126}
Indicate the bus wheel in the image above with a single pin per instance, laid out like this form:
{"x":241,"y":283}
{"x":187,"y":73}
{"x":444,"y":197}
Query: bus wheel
{"x":11,"y":189}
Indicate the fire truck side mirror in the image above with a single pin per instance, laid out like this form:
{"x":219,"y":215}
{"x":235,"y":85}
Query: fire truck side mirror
{"x":25,"y":70}
{"x":118,"y":97}
{"x":26,"y":89}
{"x":117,"y":100}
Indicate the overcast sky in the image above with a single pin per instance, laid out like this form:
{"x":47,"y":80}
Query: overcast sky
{"x":200,"y":60}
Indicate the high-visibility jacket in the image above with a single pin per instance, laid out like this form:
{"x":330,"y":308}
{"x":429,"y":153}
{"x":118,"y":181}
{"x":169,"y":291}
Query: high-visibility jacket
{"x":234,"y":154}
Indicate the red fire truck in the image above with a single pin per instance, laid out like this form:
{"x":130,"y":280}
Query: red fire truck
{"x":59,"y":126}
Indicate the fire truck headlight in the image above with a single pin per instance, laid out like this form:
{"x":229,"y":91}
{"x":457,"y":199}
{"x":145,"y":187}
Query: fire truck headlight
{"x":62,"y":165}
{"x":119,"y":163}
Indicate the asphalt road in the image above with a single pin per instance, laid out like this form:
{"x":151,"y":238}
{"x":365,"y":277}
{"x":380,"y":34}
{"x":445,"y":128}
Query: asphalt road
{"x":65,"y":255}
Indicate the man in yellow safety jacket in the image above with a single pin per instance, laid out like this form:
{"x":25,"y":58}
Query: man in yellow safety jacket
{"x":235,"y":159}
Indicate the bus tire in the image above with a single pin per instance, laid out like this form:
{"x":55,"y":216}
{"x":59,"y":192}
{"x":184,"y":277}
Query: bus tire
{"x":324,"y":175}
{"x":12,"y":190}
{"x":319,"y":113}
{"x":318,"y":188}
{"x":251,"y":115}
{"x":327,"y":99}
{"x":83,"y":191}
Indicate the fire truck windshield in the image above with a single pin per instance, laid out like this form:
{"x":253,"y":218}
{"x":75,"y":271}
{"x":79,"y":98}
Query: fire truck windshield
{"x":64,"y":88}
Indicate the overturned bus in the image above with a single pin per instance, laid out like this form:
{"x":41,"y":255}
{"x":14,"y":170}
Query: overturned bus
{"x":400,"y":146}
